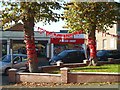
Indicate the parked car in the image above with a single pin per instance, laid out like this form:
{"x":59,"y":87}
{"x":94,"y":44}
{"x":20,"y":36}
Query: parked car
{"x":19,"y":60}
{"x":68,"y":56}
{"x":103,"y":55}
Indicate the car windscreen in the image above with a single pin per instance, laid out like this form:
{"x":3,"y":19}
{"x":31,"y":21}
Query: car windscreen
{"x":24,"y":58}
{"x":7,"y":58}
{"x":62,"y":54}
{"x":100,"y":53}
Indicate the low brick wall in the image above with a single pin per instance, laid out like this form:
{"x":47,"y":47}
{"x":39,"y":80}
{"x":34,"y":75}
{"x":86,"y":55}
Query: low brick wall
{"x":38,"y":77}
{"x":85,"y":77}
{"x":64,"y":77}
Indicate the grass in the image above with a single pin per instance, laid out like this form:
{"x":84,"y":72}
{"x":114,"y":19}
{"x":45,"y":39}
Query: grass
{"x":102,"y":68}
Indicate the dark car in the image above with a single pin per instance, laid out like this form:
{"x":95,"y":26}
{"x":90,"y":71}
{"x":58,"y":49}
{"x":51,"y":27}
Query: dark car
{"x":103,"y":55}
{"x":69,"y":56}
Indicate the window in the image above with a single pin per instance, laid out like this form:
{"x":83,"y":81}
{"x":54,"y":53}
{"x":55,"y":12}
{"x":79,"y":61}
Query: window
{"x":17,"y":60}
{"x":72,"y":54}
{"x":104,"y":43}
{"x":112,"y":43}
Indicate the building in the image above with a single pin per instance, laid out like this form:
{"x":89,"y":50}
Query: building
{"x":109,"y":40}
{"x":15,"y":35}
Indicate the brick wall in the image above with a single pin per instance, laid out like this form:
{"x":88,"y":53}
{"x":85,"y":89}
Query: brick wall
{"x":86,"y":77}
{"x":39,"y":77}
{"x":65,"y":77}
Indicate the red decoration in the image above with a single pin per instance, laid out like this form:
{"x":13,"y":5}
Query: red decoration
{"x":56,"y":35}
{"x":104,"y":34}
{"x":92,"y":46}
{"x":30,"y":46}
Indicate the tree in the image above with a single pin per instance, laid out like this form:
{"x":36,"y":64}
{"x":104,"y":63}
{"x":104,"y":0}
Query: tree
{"x":30,"y":13}
{"x":91,"y":16}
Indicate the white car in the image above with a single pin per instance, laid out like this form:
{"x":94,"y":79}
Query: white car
{"x":19,"y":60}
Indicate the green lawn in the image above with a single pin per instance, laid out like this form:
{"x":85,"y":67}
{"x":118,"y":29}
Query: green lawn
{"x":102,"y":68}
{"x":115,"y":68}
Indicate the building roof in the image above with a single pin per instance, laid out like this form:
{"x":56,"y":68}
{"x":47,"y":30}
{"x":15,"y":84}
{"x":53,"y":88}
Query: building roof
{"x":16,"y":27}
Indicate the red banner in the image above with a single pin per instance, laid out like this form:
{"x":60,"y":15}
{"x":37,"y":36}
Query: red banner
{"x":67,"y":41}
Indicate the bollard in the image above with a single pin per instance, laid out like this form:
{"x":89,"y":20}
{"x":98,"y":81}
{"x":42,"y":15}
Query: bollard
{"x":111,"y":60}
{"x":12,"y":75}
{"x":59,"y":63}
{"x":86,"y":62}
{"x":64,"y":74}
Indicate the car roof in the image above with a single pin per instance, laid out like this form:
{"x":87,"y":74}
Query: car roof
{"x":109,"y":50}
{"x":18,"y":54}
{"x":71,"y":50}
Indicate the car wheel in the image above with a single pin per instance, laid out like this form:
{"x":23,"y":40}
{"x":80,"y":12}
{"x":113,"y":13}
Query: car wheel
{"x":7,"y":71}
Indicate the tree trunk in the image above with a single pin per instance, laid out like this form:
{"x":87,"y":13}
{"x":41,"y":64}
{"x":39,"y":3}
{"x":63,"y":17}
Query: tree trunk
{"x":30,"y":45}
{"x":92,"y":46}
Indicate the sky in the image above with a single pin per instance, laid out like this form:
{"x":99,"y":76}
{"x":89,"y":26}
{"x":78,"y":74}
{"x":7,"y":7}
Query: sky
{"x":54,"y":26}
{"x":117,"y":1}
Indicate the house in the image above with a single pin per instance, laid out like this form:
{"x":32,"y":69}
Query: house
{"x":109,"y":40}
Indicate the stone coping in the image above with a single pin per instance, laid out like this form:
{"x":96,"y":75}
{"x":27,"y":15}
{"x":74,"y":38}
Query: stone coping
{"x":63,"y":65}
{"x":110,"y":73}
{"x":46,"y":74}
